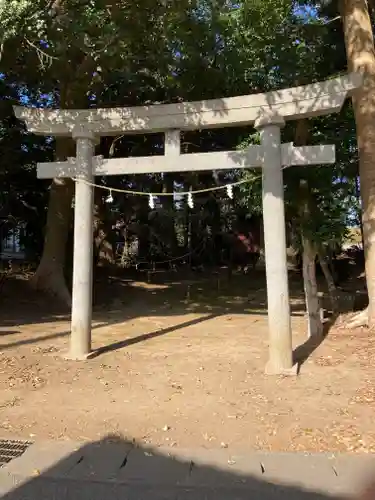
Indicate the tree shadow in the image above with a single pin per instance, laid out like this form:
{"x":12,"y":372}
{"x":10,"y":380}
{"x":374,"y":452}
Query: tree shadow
{"x":303,"y":352}
{"x":117,"y":468}
{"x":121,"y":299}
{"x":163,"y":294}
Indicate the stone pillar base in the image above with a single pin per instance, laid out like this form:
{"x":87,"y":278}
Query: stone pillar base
{"x":270,"y":369}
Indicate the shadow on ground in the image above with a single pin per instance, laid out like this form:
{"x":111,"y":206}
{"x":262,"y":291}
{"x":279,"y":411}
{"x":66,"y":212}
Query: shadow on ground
{"x":126,"y":297}
{"x":113,"y":469}
{"x":202,"y":292}
{"x":122,"y":298}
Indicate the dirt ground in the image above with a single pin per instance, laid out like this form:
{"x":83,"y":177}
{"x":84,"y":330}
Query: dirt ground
{"x":182,"y":364}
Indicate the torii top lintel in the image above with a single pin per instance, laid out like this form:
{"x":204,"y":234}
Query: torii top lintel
{"x":315,"y":99}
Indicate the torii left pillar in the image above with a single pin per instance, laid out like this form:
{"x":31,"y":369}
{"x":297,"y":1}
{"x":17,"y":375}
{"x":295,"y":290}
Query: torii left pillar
{"x":80,"y":339}
{"x":280,"y":359}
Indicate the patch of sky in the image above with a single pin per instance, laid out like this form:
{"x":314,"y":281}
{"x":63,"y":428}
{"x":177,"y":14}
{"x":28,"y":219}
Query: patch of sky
{"x":305,"y":12}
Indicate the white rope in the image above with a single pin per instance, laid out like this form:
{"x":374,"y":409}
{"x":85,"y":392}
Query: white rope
{"x":173,"y":193}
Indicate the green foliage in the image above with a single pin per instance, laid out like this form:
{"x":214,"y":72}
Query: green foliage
{"x":121,"y":52}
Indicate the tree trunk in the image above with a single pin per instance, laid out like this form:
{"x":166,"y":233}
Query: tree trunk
{"x":144,"y":243}
{"x":125,"y":255}
{"x":359,"y":44}
{"x":293,"y":251}
{"x":332,"y":290}
{"x":357,"y":184}
{"x":104,"y":254}
{"x":168,"y":216}
{"x":314,"y":321}
{"x":188,"y":230}
{"x":309,"y":252}
{"x":292,"y":256}
{"x":49,"y":276}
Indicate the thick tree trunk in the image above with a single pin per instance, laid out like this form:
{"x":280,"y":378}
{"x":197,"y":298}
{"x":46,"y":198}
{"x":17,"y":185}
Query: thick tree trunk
{"x":125,"y":255}
{"x":314,"y":321}
{"x":309,"y":252}
{"x":359,"y":43}
{"x":188,"y":230}
{"x":144,"y":243}
{"x":49,"y":276}
{"x":359,"y":215}
{"x":293,"y":253}
{"x":104,"y":254}
{"x":169,"y":221}
{"x":332,"y":290}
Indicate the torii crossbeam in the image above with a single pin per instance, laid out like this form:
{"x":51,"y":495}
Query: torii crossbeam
{"x":266,"y":111}
{"x":195,"y":162}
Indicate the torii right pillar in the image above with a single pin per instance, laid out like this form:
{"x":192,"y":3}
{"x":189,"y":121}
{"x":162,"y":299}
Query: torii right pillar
{"x":280,"y":330}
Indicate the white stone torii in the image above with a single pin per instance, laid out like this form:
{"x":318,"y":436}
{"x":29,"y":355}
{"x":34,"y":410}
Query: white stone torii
{"x":266,"y":111}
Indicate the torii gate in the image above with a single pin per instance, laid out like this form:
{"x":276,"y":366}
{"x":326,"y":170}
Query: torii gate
{"x":266,"y":111}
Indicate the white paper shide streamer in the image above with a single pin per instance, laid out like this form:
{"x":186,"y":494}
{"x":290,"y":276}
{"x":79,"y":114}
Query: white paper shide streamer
{"x":151,"y":197}
{"x":109,"y":198}
{"x":190,"y":201}
{"x":151,"y":202}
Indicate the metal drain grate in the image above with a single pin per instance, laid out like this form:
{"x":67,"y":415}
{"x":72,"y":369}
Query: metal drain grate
{"x":10,"y":449}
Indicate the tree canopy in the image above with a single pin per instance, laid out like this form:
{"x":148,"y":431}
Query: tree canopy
{"x":69,"y":54}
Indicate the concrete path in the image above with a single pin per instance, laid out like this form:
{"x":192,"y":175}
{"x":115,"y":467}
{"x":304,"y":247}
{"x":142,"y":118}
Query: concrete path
{"x":112,"y":470}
